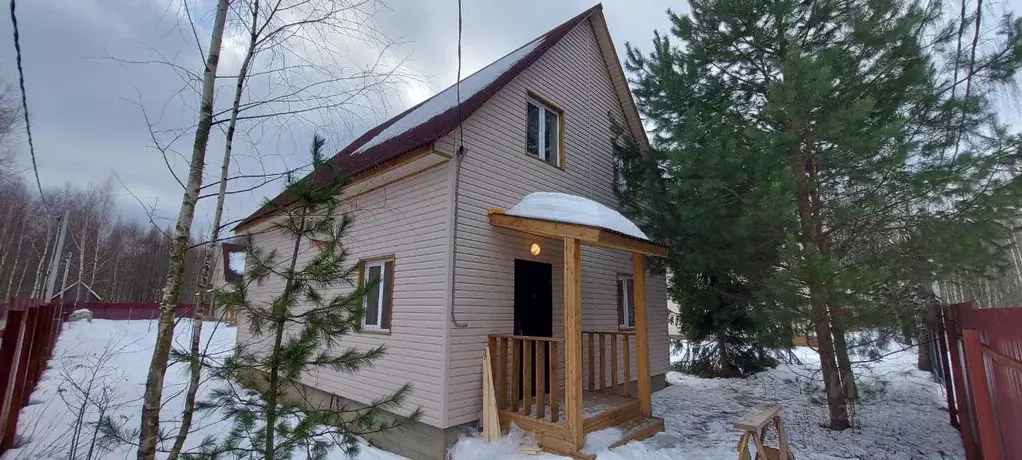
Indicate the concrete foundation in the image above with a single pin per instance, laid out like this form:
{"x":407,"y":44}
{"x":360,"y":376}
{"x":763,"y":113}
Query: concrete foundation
{"x":415,"y":440}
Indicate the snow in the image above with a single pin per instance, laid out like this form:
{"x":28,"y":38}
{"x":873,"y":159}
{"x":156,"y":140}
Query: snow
{"x":903,"y":413}
{"x":448,"y":98}
{"x":902,"y":416}
{"x":573,"y":209}
{"x":515,"y":445}
{"x":602,"y":439}
{"x":110,"y":359}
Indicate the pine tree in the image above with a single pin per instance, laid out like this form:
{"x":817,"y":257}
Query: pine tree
{"x":722,"y":216}
{"x":297,"y":332}
{"x":880,"y":177}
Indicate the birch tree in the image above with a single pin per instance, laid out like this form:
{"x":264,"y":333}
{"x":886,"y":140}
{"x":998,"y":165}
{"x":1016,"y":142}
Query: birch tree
{"x":149,"y":431}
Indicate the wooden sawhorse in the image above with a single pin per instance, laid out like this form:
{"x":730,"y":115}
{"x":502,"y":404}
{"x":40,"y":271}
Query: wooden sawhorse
{"x":755,"y":424}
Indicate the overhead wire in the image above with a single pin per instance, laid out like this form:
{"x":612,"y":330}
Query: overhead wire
{"x":24,"y":102}
{"x":459,"y":140}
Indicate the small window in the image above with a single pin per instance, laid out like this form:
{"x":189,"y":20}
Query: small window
{"x":379,"y":299}
{"x":625,"y":302}
{"x":543,"y":132}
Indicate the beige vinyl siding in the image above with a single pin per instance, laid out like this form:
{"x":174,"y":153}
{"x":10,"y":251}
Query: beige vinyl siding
{"x":497,"y":172}
{"x":406,"y":219}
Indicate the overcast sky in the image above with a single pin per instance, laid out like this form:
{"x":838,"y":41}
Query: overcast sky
{"x":86,"y":106}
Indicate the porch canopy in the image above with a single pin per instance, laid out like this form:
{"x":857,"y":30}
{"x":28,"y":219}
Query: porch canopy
{"x":559,"y":215}
{"x":579,"y":221}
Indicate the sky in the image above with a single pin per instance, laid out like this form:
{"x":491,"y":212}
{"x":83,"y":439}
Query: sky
{"x":92,"y":83}
{"x":94,"y":78}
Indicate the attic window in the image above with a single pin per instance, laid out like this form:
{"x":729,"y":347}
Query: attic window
{"x":543,"y":132}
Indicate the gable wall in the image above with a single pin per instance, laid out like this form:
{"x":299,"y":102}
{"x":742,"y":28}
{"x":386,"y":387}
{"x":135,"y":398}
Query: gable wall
{"x":496,"y":172}
{"x":406,"y":219}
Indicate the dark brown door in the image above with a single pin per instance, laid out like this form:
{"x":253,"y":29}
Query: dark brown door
{"x":534,"y":308}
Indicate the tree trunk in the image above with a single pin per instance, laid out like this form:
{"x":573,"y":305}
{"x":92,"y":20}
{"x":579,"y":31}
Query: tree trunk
{"x":7,"y":240}
{"x":150,"y":424}
{"x":95,"y":259}
{"x":727,"y":368}
{"x":21,"y":281}
{"x":844,"y":364}
{"x":82,"y":249}
{"x":280,"y":317}
{"x":811,"y":240}
{"x":17,"y":257}
{"x":37,"y":287}
{"x":925,"y":362}
{"x":205,"y":275}
{"x":927,"y":335}
{"x":115,"y":290}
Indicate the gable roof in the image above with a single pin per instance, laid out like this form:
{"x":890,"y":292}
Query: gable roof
{"x":433,"y":118}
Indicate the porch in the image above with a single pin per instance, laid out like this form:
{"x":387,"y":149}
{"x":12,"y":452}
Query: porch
{"x":561,"y":389}
{"x":528,"y":381}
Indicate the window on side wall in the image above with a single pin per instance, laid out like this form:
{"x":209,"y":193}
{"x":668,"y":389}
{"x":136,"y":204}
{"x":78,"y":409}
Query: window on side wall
{"x":625,"y":302}
{"x":378,"y":277}
{"x":543,"y":132}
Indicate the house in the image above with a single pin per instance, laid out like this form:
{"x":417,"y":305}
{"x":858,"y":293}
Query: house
{"x":470,"y":255}
{"x":228,"y":267}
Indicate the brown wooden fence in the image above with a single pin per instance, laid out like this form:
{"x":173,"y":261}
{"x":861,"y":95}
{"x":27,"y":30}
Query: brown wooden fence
{"x":29,"y":336}
{"x":981,"y":359}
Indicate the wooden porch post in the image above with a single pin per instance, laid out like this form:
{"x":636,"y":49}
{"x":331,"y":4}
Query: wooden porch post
{"x":573,"y":341}
{"x":641,"y":334}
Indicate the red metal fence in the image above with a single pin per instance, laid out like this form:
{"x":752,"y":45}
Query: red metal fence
{"x":29,"y":336}
{"x":981,"y":354}
{"x":28,"y":339}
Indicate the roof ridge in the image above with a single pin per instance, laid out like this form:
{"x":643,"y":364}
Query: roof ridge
{"x":367,"y":152}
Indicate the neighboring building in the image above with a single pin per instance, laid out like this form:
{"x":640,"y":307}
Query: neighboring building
{"x":459,"y":273}
{"x":228,"y":266}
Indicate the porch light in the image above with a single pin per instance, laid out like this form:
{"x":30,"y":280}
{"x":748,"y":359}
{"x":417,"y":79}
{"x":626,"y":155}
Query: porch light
{"x":535,"y":249}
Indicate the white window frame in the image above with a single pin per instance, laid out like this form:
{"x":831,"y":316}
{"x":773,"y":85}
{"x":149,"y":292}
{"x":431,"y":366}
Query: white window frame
{"x":541,"y":133}
{"x":382,"y":263}
{"x":626,"y":280}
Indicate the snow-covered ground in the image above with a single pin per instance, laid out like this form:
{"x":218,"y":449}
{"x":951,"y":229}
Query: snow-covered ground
{"x":105,"y":362}
{"x":902,"y":415}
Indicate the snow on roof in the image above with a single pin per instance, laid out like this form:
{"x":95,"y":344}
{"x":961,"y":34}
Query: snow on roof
{"x":448,"y":98}
{"x":562,"y":207}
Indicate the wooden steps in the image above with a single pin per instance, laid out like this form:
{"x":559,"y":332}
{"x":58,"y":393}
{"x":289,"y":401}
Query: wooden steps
{"x":638,"y":429}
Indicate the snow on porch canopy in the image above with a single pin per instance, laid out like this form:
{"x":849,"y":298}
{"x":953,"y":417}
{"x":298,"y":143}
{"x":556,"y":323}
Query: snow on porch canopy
{"x":545,"y":213}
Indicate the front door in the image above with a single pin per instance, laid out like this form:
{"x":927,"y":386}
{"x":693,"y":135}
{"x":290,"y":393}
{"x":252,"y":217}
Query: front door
{"x":534,"y":308}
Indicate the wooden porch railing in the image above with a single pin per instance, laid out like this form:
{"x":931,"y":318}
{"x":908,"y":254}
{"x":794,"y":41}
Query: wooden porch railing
{"x":517,"y":389}
{"x":601,"y":347}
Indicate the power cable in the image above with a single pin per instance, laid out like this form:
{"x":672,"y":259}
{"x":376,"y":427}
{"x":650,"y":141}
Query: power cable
{"x":24,"y":103}
{"x":458,"y":157}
